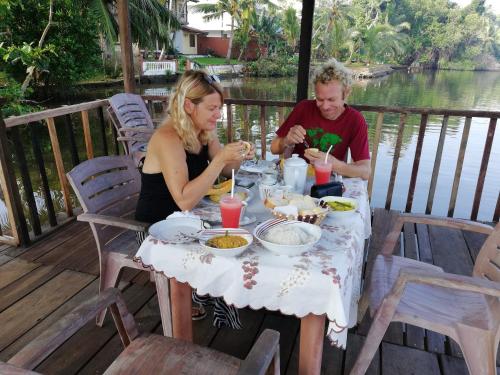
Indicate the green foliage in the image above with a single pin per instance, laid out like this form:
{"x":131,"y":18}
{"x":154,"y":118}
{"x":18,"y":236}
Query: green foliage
{"x":15,"y":104}
{"x":71,"y":50}
{"x":274,"y":66}
{"x":213,"y":61}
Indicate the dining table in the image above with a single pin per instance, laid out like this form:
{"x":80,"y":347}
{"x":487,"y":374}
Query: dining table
{"x":320,"y":284}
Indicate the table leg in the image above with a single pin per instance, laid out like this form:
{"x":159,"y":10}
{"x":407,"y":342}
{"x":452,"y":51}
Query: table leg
{"x":163,"y":292}
{"x":312,"y":331}
{"x":180,"y":297}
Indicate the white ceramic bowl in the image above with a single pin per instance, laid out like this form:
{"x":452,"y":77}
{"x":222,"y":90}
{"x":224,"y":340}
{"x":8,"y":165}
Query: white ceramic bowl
{"x":262,"y":229}
{"x":209,"y":233}
{"x":340,"y":214}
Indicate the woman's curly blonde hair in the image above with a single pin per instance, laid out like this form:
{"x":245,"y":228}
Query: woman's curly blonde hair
{"x":193,"y":85}
{"x":333,"y":70}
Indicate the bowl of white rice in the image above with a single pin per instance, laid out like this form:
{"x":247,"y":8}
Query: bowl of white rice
{"x":287,"y":237}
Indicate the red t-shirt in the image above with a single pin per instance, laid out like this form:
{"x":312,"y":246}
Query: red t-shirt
{"x":348,"y":130}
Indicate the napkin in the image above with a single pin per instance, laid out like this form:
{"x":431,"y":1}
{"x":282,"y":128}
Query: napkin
{"x":183,"y":214}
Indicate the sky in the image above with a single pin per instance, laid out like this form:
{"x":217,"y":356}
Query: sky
{"x":495,"y":4}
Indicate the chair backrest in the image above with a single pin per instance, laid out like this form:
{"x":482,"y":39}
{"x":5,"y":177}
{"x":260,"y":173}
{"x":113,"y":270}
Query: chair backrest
{"x":107,"y":185}
{"x":128,"y":111}
{"x":488,"y":260}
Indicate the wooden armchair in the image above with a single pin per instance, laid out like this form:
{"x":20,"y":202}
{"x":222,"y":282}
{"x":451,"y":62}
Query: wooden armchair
{"x":464,"y":308}
{"x":147,"y":353}
{"x":108,"y":188}
{"x":132,"y":122}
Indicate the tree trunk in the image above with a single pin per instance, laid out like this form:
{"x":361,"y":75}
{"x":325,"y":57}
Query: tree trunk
{"x":228,"y":56}
{"x":31,"y":69}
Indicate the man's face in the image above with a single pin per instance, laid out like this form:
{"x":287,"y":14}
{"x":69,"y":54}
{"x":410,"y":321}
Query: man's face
{"x":330,"y":99}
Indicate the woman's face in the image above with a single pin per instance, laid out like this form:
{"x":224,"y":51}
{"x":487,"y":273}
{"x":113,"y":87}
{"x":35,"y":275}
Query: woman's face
{"x":206,"y":113}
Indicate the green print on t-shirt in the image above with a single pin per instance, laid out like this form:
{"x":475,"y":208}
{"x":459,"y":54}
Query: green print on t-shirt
{"x":321,"y":140}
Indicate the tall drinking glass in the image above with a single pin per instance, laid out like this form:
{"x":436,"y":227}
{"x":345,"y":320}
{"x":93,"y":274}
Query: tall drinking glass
{"x":230,"y":211}
{"x":323,"y":171}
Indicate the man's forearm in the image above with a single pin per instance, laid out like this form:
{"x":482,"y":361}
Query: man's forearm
{"x":361,"y":170}
{"x":278,"y":146}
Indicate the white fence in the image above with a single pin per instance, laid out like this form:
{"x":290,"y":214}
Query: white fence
{"x":155,"y":68}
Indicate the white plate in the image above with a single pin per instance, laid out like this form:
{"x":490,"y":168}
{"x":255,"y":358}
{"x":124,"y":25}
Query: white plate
{"x":341,"y":214}
{"x":258,"y":166}
{"x":237,"y":189}
{"x":176,"y":230}
{"x":209,"y":233}
{"x":262,"y":229}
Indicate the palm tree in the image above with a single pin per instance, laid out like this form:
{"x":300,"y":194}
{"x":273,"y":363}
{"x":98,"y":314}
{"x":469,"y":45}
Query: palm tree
{"x":291,"y":27}
{"x":267,"y":31}
{"x":383,"y":40}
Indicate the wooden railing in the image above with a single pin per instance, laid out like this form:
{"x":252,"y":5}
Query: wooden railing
{"x":157,"y":105}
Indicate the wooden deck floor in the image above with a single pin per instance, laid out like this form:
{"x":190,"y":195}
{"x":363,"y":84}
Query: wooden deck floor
{"x":41,"y":283}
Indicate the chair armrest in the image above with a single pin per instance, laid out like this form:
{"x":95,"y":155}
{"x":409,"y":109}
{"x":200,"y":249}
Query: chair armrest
{"x":447,"y":280}
{"x":5,"y":368}
{"x":393,"y":236}
{"x":42,"y":346}
{"x":131,"y":224}
{"x":135,"y":138}
{"x":265,"y":349}
{"x":140,"y":129}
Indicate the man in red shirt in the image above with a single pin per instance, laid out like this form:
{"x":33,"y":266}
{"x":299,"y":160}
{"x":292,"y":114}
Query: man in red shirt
{"x":327,"y":120}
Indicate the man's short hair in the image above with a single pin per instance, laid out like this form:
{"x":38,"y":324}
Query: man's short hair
{"x":333,"y":70}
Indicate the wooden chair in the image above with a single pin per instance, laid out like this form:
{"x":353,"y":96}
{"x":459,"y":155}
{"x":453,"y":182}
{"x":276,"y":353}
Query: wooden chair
{"x":108,"y":188}
{"x":148,"y":353}
{"x":132,"y":121}
{"x":467,"y":309}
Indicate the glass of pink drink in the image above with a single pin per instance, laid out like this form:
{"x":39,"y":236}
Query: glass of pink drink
{"x":322,"y":171}
{"x":230,"y":211}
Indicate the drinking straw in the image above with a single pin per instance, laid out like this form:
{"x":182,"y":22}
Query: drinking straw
{"x":232,"y":183}
{"x":326,"y":156}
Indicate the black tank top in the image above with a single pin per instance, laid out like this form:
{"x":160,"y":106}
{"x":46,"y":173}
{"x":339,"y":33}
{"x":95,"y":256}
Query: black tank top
{"x":155,"y":201}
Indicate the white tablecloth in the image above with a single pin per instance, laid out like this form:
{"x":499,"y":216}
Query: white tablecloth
{"x":325,"y":280}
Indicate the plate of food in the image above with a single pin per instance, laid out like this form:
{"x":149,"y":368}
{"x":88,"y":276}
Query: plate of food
{"x":287,"y":237}
{"x":214,"y":196}
{"x":228,"y":242}
{"x":340,"y":206}
{"x":297,"y":207}
{"x":177,"y":230}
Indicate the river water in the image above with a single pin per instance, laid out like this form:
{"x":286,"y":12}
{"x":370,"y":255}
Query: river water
{"x":442,"y":89}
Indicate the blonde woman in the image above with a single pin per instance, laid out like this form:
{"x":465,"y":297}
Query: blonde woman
{"x":184,"y":158}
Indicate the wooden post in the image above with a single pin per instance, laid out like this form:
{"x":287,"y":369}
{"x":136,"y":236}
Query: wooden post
{"x":59,"y":165}
{"x":126,"y":46}
{"x":86,"y":134}
{"x":10,"y":191}
{"x":305,"y":49}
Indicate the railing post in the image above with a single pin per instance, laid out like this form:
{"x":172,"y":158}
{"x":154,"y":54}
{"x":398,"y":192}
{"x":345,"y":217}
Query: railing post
{"x":59,"y":165}
{"x":458,"y":168}
{"x":229,"y":128}
{"x":437,"y":165}
{"x":262,"y":121}
{"x":87,"y":135}
{"x":10,"y":191}
{"x":395,"y":161}
{"x":416,"y":161}
{"x":376,"y":140}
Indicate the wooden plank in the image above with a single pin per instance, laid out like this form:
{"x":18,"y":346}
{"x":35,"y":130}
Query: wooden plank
{"x":87,"y":135}
{"x":23,"y":315}
{"x":71,"y":257}
{"x":415,"y":336}
{"x":458,"y":168}
{"x":354,"y":344}
{"x":416,"y":161}
{"x":398,"y":360}
{"x":376,"y":141}
{"x":102,"y":128}
{"x":450,"y":251}
{"x":147,"y":319}
{"x":262,"y":123}
{"x":91,"y":338}
{"x":496,"y":215}
{"x":229,"y":127}
{"x":238,"y":342}
{"x":474,"y":242}
{"x":14,"y":270}
{"x":54,"y":112}
{"x":453,"y":366}
{"x":434,"y":341}
{"x":4,"y":259}
{"x":484,"y":167}
{"x":437,"y":165}
{"x":63,"y":181}
{"x":25,"y":285}
{"x":29,"y":197}
{"x":395,"y":161}
{"x":288,"y":327}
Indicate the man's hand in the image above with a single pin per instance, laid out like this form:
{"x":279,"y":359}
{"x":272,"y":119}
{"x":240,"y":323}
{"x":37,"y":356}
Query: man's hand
{"x":295,"y":135}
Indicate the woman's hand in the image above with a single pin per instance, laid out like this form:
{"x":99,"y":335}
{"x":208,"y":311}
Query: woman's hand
{"x":232,"y":152}
{"x":251,"y":153}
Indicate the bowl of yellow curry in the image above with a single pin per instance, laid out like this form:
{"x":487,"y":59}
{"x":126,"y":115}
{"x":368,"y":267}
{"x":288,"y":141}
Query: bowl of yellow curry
{"x":339,"y":207}
{"x":228,"y":242}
